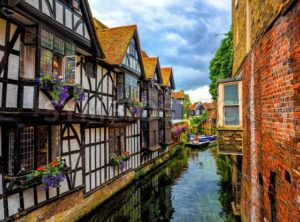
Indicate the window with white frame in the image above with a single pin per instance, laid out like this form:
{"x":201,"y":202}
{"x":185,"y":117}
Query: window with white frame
{"x":57,"y":57}
{"x":231,"y":104}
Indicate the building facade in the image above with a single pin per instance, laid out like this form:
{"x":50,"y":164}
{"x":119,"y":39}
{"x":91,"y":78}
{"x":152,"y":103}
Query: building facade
{"x":266,"y":41}
{"x":196,"y":109}
{"x":59,"y":41}
{"x":177,"y":105}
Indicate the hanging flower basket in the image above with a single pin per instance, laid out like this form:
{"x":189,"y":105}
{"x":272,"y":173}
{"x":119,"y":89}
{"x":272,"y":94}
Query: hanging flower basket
{"x":51,"y":174}
{"x":60,"y":91}
{"x":136,"y":106}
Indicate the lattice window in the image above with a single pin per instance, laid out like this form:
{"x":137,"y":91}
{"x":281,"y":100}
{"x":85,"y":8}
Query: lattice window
{"x":11,"y":155}
{"x":117,"y":140}
{"x":27,"y":148}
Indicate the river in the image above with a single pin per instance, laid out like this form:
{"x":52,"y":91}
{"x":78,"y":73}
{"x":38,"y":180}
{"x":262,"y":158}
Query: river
{"x":193,"y":186}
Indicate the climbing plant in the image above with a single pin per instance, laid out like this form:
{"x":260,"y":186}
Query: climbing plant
{"x":186,"y":105}
{"x":221,"y":65}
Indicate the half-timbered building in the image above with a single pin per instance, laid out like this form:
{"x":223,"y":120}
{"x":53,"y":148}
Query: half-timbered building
{"x":168,"y":85}
{"x":60,"y":39}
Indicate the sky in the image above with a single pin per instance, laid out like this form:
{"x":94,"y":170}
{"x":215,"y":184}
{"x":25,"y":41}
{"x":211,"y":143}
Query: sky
{"x":184,"y":34}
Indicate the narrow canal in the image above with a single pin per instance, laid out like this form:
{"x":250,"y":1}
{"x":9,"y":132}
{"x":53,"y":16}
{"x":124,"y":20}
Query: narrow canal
{"x":193,"y":186}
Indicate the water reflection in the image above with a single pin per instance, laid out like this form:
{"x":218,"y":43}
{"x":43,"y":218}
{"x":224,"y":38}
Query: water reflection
{"x":187,"y":188}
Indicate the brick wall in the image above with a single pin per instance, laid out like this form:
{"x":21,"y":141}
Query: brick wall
{"x":271,"y":72}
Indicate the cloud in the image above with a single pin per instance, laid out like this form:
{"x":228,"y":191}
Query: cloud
{"x":174,"y":38}
{"x":224,"y":5}
{"x":199,"y":94}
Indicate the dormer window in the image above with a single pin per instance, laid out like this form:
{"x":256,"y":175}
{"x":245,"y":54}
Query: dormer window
{"x":57,"y":57}
{"x":131,"y":59}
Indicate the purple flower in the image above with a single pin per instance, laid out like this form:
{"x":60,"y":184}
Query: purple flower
{"x":51,"y":180}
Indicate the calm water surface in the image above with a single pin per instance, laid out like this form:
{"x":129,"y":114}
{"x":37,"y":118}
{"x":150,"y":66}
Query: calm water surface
{"x":191,"y":187}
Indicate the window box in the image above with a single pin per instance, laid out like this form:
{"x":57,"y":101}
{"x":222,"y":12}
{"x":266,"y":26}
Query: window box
{"x":59,"y":91}
{"x":24,"y":181}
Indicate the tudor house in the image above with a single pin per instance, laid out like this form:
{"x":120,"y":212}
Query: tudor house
{"x":196,"y":109}
{"x":59,"y":39}
{"x":155,"y":124}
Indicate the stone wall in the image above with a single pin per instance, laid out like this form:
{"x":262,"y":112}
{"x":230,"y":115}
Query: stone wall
{"x":271,"y":98}
{"x":262,"y":14}
{"x":230,"y":140}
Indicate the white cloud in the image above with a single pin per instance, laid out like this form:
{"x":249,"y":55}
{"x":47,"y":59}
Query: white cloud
{"x":199,"y":94}
{"x":174,"y":38}
{"x":224,"y":5}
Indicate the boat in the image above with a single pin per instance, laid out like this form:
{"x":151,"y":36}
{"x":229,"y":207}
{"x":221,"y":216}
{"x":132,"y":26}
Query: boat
{"x":198,"y":144}
{"x":210,"y":138}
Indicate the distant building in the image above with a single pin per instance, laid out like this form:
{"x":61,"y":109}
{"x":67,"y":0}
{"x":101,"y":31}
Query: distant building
{"x":177,"y":105}
{"x":196,"y":109}
{"x":211,"y":121}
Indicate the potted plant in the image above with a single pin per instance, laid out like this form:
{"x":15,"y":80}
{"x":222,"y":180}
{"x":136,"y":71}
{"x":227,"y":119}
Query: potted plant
{"x":115,"y":160}
{"x":125,"y":155}
{"x":137,"y":106}
{"x":51,"y":174}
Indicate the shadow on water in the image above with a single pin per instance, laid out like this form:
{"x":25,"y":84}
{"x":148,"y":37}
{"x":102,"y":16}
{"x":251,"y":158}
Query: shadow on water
{"x":190,"y":187}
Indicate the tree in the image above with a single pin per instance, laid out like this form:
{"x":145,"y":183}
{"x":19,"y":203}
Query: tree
{"x":186,"y":105}
{"x":221,"y":65}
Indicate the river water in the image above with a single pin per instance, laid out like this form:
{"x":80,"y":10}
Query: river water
{"x":193,"y":186}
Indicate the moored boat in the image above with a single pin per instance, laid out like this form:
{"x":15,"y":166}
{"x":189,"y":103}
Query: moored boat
{"x":198,"y":144}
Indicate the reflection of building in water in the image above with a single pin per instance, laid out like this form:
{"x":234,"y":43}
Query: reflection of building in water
{"x":147,"y":200}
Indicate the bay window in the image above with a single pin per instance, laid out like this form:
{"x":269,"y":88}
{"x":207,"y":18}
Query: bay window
{"x":57,"y":57}
{"x":131,"y":87}
{"x":231,"y":104}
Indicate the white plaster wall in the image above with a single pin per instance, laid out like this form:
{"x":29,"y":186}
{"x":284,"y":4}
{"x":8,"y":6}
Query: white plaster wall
{"x":12,"y":98}
{"x":28,"y":97}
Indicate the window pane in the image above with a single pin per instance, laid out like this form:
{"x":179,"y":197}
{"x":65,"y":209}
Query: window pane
{"x":70,"y":68}
{"x":47,"y":39}
{"x":27,"y":148}
{"x":42,"y":145}
{"x":231,"y":94}
{"x":46,"y":62}
{"x":231,"y":115}
{"x":11,"y":155}
{"x":55,"y":142}
{"x":59,"y":45}
{"x":70,"y":49}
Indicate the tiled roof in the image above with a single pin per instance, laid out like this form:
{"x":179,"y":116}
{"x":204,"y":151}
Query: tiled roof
{"x":178,"y":95}
{"x":99,"y":25}
{"x":144,"y":54}
{"x":149,"y":66}
{"x":194,"y":106}
{"x":114,"y":42}
{"x":166,"y":75}
{"x":212,"y":105}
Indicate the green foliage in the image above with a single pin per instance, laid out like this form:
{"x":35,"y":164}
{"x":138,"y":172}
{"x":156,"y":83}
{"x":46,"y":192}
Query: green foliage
{"x":221,"y":65}
{"x":186,"y":105}
{"x":183,"y":138}
{"x":196,"y":120}
{"x":141,"y":173}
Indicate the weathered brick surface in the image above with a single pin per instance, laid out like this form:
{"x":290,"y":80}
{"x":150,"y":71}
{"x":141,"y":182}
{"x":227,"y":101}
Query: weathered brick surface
{"x":275,"y":63}
{"x":230,"y":141}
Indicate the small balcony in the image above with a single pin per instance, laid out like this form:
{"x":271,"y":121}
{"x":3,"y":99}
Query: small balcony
{"x":230,"y":141}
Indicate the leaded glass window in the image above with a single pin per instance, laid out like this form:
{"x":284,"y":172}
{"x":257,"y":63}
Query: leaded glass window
{"x":47,"y":39}
{"x":117,"y":140}
{"x":131,"y":87}
{"x":57,"y":57}
{"x":27,"y":148}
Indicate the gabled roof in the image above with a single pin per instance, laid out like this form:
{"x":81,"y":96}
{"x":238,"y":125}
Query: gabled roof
{"x":144,"y":54}
{"x":194,"y":106}
{"x":167,"y":77}
{"x":150,"y":65}
{"x":208,"y":106}
{"x":99,"y":25}
{"x":178,"y":95}
{"x":115,"y":41}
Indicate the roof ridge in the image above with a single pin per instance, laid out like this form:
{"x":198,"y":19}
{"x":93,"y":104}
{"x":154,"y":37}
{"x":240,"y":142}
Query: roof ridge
{"x":118,"y":27}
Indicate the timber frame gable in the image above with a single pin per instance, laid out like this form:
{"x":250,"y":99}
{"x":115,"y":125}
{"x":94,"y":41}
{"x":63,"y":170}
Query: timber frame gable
{"x":74,"y":22}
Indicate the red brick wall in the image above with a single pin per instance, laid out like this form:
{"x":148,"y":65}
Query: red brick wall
{"x":275,"y":65}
